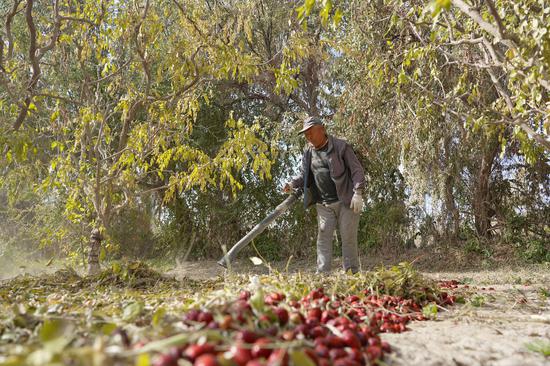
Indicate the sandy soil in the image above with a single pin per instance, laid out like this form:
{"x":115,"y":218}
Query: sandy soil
{"x":494,"y":332}
{"x":492,"y":328}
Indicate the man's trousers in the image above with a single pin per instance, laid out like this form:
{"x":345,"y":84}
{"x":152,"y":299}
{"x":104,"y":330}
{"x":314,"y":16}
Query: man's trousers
{"x":329,"y":217}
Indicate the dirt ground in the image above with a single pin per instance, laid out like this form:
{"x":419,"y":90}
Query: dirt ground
{"x":494,"y":329}
{"x":507,"y":312}
{"x":509,"y":309}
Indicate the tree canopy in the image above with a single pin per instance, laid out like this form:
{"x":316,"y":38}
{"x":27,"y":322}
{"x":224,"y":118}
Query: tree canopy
{"x":183,"y":113}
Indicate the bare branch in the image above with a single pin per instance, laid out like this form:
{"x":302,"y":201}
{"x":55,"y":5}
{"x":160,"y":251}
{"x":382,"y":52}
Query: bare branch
{"x":495,"y":55}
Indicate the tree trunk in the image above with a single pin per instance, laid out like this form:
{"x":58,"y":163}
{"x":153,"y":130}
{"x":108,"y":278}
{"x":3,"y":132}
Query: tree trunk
{"x":480,"y":203}
{"x":93,"y":253}
{"x":452,"y":216}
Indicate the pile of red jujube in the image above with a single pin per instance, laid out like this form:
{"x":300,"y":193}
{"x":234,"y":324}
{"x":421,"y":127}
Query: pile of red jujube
{"x":343,"y":331}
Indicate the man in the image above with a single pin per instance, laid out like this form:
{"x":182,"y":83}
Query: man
{"x":335,"y":178}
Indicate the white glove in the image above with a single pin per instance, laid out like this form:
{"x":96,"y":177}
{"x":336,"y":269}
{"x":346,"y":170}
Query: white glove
{"x":357,"y":202}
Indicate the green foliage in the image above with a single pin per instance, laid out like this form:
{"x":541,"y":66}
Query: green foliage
{"x":477,"y":301}
{"x":131,"y":234}
{"x":403,"y":280}
{"x":325,"y":8}
{"x":383,"y":224}
{"x":544,"y":293}
{"x":530,"y":245}
{"x":430,"y":311}
{"x":148,"y":94}
{"x":475,"y":245}
{"x":121,"y":124}
{"x":169,"y":124}
{"x":535,"y":250}
{"x":424,"y":102}
{"x":539,"y":346}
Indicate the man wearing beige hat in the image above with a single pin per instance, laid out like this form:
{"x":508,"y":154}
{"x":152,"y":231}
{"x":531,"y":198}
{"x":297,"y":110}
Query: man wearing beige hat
{"x":335,"y":178}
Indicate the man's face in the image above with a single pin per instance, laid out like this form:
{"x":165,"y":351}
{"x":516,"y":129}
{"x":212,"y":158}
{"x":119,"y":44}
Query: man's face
{"x":316,"y":135}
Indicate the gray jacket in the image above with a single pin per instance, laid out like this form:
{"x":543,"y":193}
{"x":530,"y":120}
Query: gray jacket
{"x":345,"y":170}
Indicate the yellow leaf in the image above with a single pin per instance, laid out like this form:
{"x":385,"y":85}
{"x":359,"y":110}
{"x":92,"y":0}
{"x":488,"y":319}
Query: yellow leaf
{"x":143,"y":360}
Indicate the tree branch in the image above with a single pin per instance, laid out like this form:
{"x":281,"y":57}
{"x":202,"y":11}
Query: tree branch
{"x":53,"y":96}
{"x":517,"y":121}
{"x":464,"y":41}
{"x":35,"y":67}
{"x":80,"y":20}
{"x":9,"y":19}
{"x":106,"y":77}
{"x":55,"y":34}
{"x":35,"y":54}
{"x":2,"y":54}
{"x":184,"y":13}
{"x":486,"y":26}
{"x":501,"y":29}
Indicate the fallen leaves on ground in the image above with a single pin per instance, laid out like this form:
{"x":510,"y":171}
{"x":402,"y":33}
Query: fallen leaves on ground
{"x":132,"y":315}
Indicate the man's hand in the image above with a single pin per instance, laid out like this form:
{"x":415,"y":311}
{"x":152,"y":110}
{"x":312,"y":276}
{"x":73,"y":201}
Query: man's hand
{"x":287,"y":188}
{"x":357,"y":202}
